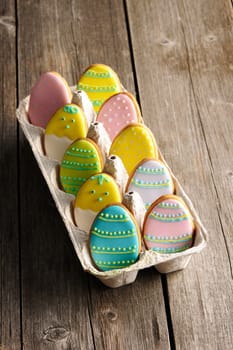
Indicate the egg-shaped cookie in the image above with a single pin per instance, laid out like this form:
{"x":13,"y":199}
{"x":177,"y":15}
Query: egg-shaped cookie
{"x":115,"y":240}
{"x":49,"y":93}
{"x":96,"y":193}
{"x":81,"y":160}
{"x":168,"y":226}
{"x":151,"y":179}
{"x":133,"y":144}
{"x":67,"y":124}
{"x":117,"y":112}
{"x":99,"y":82}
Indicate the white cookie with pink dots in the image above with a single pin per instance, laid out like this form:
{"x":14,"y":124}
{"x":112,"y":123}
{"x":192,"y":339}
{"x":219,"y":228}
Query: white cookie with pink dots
{"x":119,"y":111}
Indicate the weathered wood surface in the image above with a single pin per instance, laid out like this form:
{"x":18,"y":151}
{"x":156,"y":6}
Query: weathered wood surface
{"x":9,"y":236}
{"x":176,"y":56}
{"x":184,"y":72}
{"x":67,"y":36}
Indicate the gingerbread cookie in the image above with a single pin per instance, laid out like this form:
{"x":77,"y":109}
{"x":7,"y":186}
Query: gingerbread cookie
{"x":99,"y":82}
{"x":81,"y":160}
{"x":96,"y":193}
{"x":115,"y":240}
{"x":49,"y":93}
{"x":133,"y":144}
{"x":151,"y":179}
{"x":168,"y":226}
{"x":117,"y":112}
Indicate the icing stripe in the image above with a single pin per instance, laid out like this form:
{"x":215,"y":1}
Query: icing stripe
{"x":112,"y":236}
{"x":167,"y":240}
{"x":89,"y":88}
{"x":67,"y":162}
{"x":113,"y":220}
{"x":149,"y":171}
{"x":93,"y":74}
{"x":166,"y":218}
{"x":144,"y":184}
{"x":169,"y":205}
{"x":80,"y":155}
{"x":114,"y":232}
{"x":170,"y":250}
{"x":76,"y":168}
{"x":106,"y":252}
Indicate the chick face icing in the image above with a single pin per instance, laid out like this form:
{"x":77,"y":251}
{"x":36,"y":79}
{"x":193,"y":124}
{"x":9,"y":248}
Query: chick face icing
{"x":97,"y":192}
{"x":66,"y":125}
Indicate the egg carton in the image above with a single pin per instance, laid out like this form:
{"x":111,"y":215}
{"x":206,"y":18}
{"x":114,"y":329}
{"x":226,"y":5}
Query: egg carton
{"x":164,"y":263}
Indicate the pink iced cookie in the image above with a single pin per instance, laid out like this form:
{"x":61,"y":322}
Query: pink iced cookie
{"x":49,"y":93}
{"x":168,"y":226}
{"x":119,"y":111}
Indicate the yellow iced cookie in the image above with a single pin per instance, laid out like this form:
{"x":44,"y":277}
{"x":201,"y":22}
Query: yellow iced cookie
{"x":99,"y":82}
{"x":97,"y":192}
{"x":67,"y":124}
{"x":81,"y":160}
{"x":133,"y":144}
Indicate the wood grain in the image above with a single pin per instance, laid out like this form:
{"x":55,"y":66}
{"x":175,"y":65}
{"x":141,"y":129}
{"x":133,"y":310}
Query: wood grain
{"x":183,"y":64}
{"x":9,"y":242}
{"x":60,"y":310}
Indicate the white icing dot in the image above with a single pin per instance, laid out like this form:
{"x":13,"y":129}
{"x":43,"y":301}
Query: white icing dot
{"x":114,"y":103}
{"x":128,"y":114}
{"x":126,"y":107}
{"x":118,"y":98}
{"x":123,"y":101}
{"x":119,"y":107}
{"x":127,"y":121}
{"x":110,"y":109}
{"x":110,"y":120}
{"x":105,"y":115}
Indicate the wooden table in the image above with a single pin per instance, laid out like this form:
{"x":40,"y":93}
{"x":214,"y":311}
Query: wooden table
{"x":176,"y":57}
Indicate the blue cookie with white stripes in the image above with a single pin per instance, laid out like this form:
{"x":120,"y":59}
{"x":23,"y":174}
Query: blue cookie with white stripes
{"x":81,"y":160}
{"x":115,"y":239}
{"x":151,"y":179}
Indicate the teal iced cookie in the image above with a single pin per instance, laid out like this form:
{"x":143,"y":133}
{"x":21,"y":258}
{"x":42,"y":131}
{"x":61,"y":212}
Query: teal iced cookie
{"x":115,"y":240}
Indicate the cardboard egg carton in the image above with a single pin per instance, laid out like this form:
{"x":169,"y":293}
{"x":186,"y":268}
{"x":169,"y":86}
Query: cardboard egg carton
{"x":164,"y":263}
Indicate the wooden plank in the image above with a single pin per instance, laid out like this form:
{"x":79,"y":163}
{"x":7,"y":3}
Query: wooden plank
{"x":9,"y":236}
{"x":183,"y":64}
{"x":67,"y":36}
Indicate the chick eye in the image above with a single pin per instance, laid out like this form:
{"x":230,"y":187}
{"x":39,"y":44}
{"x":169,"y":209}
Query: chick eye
{"x":63,"y":118}
{"x":106,"y":193}
{"x":72,"y":120}
{"x":92,"y":191}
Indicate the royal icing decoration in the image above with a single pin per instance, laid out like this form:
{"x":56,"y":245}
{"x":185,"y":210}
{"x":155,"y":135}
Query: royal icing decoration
{"x":117,"y":112}
{"x":81,"y":160}
{"x":96,"y":193}
{"x":133,"y":144}
{"x":168,"y":226}
{"x":49,"y":93}
{"x":151,"y":179}
{"x":67,"y":125}
{"x":99,"y":82}
{"x":114,"y":239}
